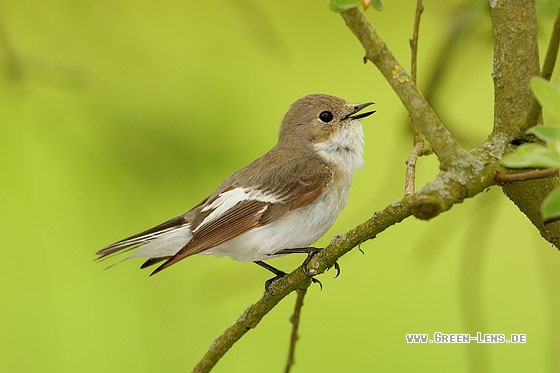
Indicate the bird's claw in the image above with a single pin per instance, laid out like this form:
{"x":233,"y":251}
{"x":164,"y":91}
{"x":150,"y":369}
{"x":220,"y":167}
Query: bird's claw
{"x":315,"y":281}
{"x":304,"y":267}
{"x":311,"y":252}
{"x":337,"y":267}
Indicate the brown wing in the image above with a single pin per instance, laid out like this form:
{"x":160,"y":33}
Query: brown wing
{"x":249,"y":214}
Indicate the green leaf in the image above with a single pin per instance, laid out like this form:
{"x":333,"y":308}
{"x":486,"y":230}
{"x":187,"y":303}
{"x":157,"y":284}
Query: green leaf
{"x":550,"y":208}
{"x":342,"y":5}
{"x":532,"y":156}
{"x":377,"y":5}
{"x":546,"y":133}
{"x":548,"y":95}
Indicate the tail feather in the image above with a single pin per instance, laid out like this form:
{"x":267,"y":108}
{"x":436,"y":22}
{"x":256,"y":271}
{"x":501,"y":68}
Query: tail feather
{"x":162,"y":266}
{"x":152,"y":261}
{"x":157,"y":243}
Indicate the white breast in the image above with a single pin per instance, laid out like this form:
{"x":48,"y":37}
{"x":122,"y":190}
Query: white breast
{"x":345,"y":148}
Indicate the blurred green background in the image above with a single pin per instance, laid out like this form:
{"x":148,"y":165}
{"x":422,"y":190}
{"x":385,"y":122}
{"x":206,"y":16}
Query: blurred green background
{"x":116,"y":116}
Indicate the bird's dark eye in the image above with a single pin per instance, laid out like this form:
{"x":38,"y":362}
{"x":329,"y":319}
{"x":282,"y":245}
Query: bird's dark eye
{"x":326,"y":116}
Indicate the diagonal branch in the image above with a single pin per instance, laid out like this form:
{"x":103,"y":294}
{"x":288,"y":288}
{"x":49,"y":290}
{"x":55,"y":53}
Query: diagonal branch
{"x":444,"y":145}
{"x":278,"y":290}
{"x":448,"y":189}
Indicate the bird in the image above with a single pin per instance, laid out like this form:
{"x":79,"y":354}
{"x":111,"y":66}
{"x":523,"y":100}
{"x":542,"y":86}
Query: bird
{"x":279,"y":204}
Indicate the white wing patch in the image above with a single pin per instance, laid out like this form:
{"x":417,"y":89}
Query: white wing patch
{"x":227,"y":200}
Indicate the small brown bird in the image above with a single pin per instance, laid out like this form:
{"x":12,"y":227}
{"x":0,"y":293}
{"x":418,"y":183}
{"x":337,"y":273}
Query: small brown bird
{"x":280,"y":203}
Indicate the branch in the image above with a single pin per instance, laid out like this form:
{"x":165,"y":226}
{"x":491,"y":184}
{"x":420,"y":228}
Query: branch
{"x":448,"y":189}
{"x":278,"y":290}
{"x":468,"y":171}
{"x":251,"y":317}
{"x":295,"y":325}
{"x":444,"y":145}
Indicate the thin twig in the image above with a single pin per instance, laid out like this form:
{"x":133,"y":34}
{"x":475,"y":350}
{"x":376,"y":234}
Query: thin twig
{"x":295,"y":325}
{"x":417,"y":151}
{"x":414,"y":40}
{"x":418,"y":142}
{"x":502,"y":178}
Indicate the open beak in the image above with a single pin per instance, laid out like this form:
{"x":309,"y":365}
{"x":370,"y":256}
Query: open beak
{"x":357,"y":108}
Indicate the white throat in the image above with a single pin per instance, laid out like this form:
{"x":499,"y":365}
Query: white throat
{"x":345,"y":147}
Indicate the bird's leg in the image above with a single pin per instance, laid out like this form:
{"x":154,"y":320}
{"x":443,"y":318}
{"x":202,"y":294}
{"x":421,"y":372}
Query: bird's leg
{"x":311,"y":252}
{"x":276,"y":271}
{"x":279,"y":274}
